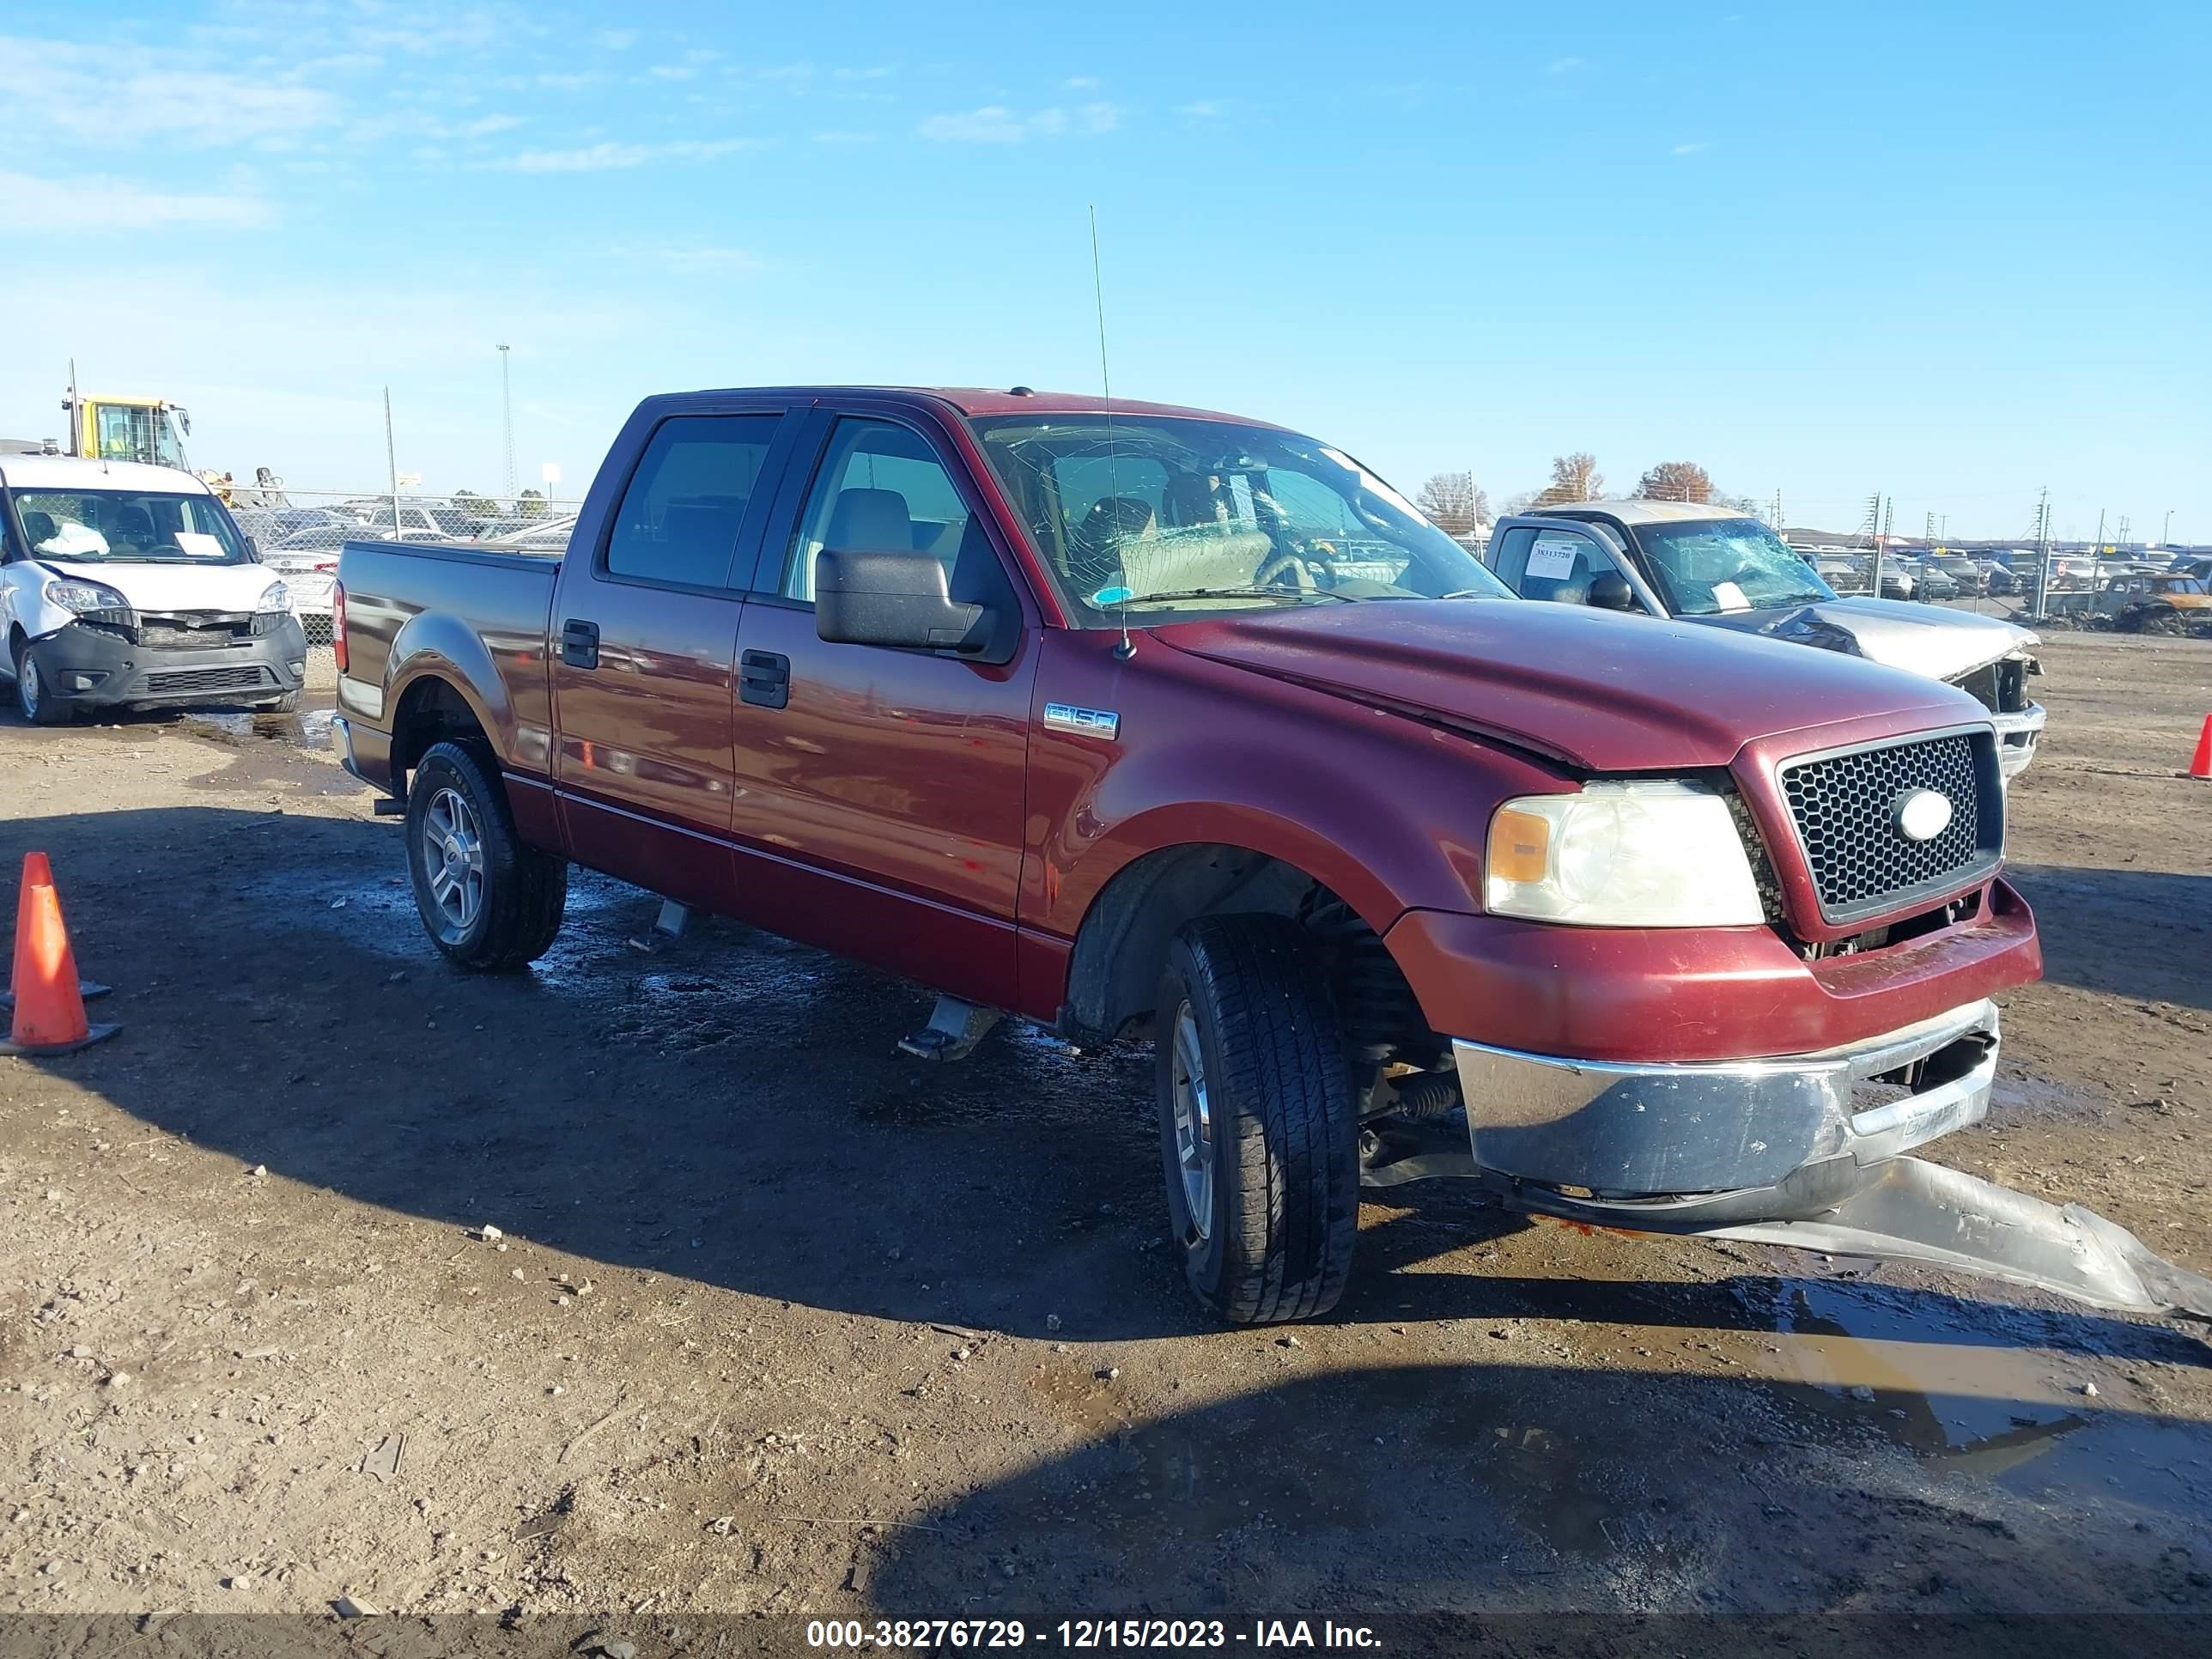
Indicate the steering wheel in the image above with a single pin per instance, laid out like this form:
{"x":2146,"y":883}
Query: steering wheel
{"x":1297,"y":560}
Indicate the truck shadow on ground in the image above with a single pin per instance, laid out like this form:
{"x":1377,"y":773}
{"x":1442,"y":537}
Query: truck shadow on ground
{"x":1513,"y":1488}
{"x":733,"y":1111}
{"x":2144,"y":934}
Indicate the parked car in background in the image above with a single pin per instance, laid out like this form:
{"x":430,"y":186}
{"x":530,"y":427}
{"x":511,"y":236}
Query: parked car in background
{"x":2138,"y":598}
{"x":1843,"y":574}
{"x":1144,"y":718}
{"x":1675,"y":559}
{"x":130,"y":586}
{"x":1930,"y":582}
{"x":1965,"y":573}
{"x":1900,"y":578}
{"x":541,"y":536}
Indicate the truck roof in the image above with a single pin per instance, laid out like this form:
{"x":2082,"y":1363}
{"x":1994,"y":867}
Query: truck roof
{"x":1638,"y":510}
{"x":75,"y":472}
{"x":992,"y":400}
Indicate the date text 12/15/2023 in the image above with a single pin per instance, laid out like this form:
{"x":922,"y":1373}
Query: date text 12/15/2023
{"x":1084,"y":1634}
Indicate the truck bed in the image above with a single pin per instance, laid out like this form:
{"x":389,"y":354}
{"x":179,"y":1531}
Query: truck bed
{"x":484,"y":610}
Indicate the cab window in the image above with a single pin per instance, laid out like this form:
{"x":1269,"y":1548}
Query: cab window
{"x":881,"y":489}
{"x":680,"y":516}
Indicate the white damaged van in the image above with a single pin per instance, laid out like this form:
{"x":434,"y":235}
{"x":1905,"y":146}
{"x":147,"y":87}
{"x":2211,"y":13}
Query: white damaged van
{"x":130,"y":586}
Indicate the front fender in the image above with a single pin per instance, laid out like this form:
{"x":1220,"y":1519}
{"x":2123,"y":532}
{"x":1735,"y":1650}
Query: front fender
{"x":1389,"y":813}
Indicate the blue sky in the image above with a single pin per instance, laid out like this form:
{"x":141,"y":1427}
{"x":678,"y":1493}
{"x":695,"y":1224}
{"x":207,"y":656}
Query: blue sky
{"x":1952,"y":251}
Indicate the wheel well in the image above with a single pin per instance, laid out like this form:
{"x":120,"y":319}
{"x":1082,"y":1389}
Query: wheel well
{"x":431,"y":712}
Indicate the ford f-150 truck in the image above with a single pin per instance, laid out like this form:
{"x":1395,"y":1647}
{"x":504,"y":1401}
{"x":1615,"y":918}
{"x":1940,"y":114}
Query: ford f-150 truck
{"x":1138,"y":719}
{"x":1704,"y":564}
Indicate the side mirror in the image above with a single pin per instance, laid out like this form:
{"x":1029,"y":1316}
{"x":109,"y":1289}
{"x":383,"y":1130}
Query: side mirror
{"x":893,"y":599}
{"x":1609,"y":591}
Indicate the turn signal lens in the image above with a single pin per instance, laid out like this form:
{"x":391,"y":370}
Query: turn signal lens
{"x":338,"y":624}
{"x":1520,"y":846}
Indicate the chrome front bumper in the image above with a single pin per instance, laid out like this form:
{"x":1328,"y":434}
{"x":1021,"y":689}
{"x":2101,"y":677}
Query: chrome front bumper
{"x":1644,"y":1130}
{"x":2017,"y":736}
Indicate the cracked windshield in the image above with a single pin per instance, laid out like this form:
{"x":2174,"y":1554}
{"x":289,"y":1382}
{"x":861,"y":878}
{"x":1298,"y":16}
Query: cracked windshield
{"x":1165,"y":515}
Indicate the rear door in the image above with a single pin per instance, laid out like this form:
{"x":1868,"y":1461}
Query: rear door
{"x":878,"y":804}
{"x":644,"y":651}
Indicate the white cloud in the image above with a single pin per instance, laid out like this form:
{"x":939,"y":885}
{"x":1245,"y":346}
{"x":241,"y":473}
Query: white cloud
{"x":996,"y":124}
{"x":96,"y":205}
{"x":838,"y":135}
{"x":1691,"y":150}
{"x":1206,"y":109}
{"x":615,"y":39}
{"x":1565,"y":65}
{"x":106,"y":95}
{"x":1080,"y":82}
{"x":600,"y":158}
{"x":673,"y":71}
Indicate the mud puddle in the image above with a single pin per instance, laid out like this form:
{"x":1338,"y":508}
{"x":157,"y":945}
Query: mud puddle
{"x":310,"y":728}
{"x":2055,"y":1426}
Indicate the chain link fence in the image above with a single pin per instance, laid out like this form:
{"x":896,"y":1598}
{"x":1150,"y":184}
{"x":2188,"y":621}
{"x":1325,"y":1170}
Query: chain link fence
{"x":298,"y":532}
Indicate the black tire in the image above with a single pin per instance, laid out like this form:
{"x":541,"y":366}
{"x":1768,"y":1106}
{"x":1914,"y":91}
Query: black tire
{"x":1284,"y":1169}
{"x":34,"y":693}
{"x":520,"y":892}
{"x":287,"y":704}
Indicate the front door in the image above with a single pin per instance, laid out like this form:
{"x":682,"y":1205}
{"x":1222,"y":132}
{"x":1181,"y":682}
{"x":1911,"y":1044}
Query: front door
{"x":1552,"y":559}
{"x":879,"y":802}
{"x":644,"y":657}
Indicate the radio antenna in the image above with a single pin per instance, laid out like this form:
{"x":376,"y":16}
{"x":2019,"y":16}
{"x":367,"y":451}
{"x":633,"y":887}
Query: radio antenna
{"x":1125,"y":650}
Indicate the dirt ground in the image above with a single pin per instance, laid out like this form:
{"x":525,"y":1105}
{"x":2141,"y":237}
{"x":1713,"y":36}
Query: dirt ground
{"x":781,"y":1323}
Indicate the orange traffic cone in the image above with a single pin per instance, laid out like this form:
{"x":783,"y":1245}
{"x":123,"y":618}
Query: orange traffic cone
{"x":2202,"y":766}
{"x":48,"y":1006}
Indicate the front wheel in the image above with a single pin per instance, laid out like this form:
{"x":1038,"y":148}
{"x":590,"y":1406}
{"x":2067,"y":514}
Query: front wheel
{"x":1259,"y":1129}
{"x":489,"y":902}
{"x":40,"y":705}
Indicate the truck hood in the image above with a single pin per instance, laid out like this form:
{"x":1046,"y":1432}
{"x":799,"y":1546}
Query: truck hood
{"x":1599,"y":690}
{"x":232,"y":587}
{"x":1921,"y":639}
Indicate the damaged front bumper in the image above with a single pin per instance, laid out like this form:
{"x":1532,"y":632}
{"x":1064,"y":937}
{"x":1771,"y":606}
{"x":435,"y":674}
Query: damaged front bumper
{"x":1804,"y":1151}
{"x":2018,"y":733}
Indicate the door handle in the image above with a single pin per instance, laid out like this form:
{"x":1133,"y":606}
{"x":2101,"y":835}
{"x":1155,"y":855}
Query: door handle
{"x":580,"y":644}
{"x":764,"y":679}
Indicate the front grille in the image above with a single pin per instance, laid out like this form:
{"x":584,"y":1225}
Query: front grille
{"x":205,"y":679}
{"x":1844,"y":807}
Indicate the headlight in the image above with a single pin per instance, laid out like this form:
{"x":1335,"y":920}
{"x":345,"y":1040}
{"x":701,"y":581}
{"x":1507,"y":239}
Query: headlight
{"x":1662,"y":854}
{"x":277,"y":597}
{"x":85,"y":597}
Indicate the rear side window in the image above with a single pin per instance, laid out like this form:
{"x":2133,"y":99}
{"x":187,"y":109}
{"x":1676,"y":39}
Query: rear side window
{"x":679,"y":519}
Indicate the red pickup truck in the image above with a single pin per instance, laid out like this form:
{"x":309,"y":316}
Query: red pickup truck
{"x":1136,"y":719}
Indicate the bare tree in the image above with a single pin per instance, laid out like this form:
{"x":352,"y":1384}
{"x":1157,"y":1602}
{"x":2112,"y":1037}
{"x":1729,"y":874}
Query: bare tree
{"x":1574,"y":478}
{"x":1676,"y":480}
{"x":1454,"y":502}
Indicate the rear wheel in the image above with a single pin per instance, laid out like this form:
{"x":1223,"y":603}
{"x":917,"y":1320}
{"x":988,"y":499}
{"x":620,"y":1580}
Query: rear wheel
{"x":32,"y":692}
{"x":1259,"y":1130}
{"x":489,"y":902}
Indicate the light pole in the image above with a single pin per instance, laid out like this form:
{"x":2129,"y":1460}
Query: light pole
{"x":506,"y":424}
{"x":2166,"y":536}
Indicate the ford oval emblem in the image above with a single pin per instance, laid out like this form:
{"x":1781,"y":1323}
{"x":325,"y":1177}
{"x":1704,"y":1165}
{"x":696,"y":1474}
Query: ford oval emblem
{"x":1922,"y":814}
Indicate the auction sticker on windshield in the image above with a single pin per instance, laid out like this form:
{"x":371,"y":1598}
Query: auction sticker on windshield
{"x":198,"y":544}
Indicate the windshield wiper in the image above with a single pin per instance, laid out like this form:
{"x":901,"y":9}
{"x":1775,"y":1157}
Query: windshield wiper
{"x":1241,"y":594}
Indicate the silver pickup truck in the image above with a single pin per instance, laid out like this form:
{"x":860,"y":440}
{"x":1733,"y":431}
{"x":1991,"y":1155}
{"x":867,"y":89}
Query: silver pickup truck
{"x":1704,"y":564}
